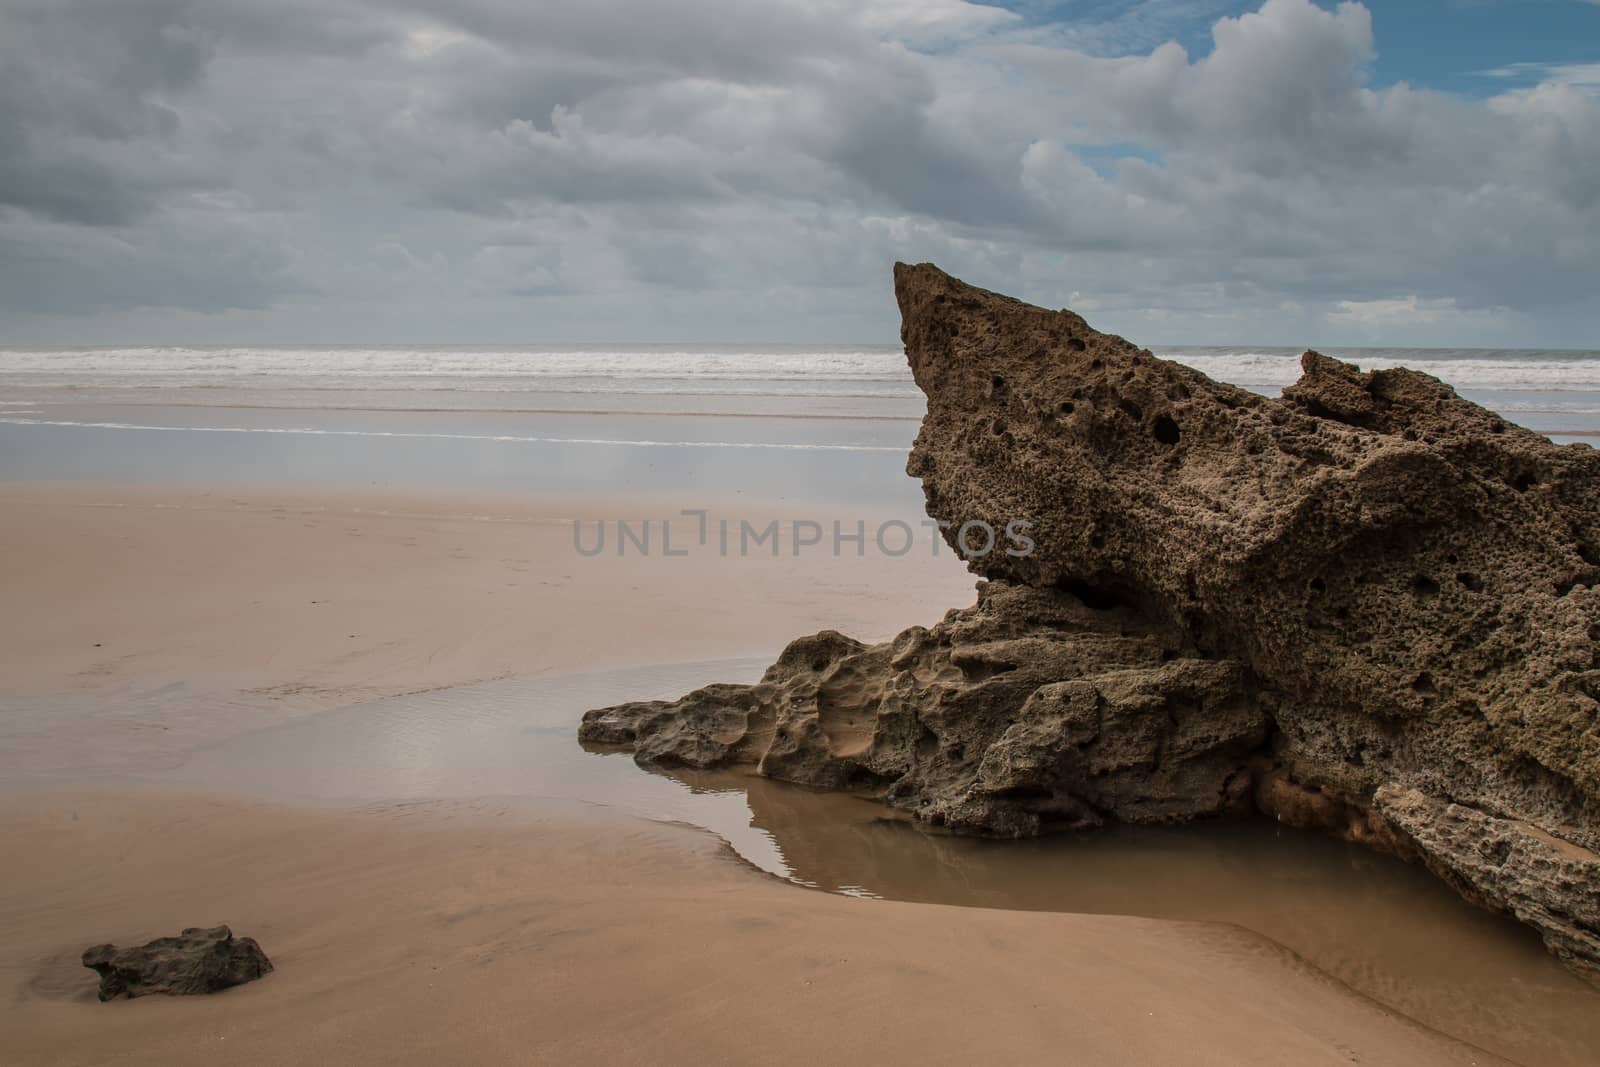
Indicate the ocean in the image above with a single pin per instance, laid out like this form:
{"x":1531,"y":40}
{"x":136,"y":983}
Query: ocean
{"x":824,"y":420}
{"x":1514,"y":381}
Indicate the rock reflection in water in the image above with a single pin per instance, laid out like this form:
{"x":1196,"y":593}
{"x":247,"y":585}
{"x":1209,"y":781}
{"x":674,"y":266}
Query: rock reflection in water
{"x":1381,"y":926}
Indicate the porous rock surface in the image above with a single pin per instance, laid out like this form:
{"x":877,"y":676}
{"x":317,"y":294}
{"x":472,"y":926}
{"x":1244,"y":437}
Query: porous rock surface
{"x":1368,"y":608}
{"x":199,"y":960}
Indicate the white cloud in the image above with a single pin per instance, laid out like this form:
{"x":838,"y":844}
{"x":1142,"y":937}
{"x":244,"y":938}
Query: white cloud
{"x":1585,"y":76}
{"x":737,"y":168}
{"x":1409,"y":311}
{"x":929,"y":22}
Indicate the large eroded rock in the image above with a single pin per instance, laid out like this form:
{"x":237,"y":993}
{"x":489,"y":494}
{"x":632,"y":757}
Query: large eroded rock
{"x":1367,"y":608}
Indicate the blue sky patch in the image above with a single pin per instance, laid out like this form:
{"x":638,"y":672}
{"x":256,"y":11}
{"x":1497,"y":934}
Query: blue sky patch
{"x":1475,"y":48}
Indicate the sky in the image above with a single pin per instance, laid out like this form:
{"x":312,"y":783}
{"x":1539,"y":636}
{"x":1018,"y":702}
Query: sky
{"x":501,"y":171}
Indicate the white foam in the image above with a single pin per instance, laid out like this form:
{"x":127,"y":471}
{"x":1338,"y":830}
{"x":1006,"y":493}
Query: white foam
{"x":866,"y":371}
{"x":313,"y":431}
{"x":1511,"y":370}
{"x":775,"y":363}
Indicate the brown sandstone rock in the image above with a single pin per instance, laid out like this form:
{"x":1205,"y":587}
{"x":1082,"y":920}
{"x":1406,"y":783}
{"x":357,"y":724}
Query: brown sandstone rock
{"x":197,"y":961}
{"x":1368,"y":608}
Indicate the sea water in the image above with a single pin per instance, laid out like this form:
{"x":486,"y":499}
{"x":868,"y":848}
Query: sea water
{"x":804,"y":422}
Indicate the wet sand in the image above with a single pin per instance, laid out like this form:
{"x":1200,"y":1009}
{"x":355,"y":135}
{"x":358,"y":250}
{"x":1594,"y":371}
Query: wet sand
{"x":819,"y":459}
{"x":1387,"y":930}
{"x":144,"y":621}
{"x":179,"y":664}
{"x":458,"y":934}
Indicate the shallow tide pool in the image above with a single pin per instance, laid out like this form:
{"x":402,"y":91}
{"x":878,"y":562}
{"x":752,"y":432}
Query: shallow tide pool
{"x":1386,"y":929}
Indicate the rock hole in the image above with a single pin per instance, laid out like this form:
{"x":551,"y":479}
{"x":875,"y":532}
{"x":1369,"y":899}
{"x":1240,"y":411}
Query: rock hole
{"x":977,"y":669}
{"x":1424,"y":587}
{"x":1066,"y":408}
{"x":1318,"y":585}
{"x":1496,"y":852}
{"x":1166,"y":430}
{"x":1076,"y":344}
{"x":1423,"y":685}
{"x":1523,"y":482}
{"x":1184,"y":707}
{"x":1107,"y":597}
{"x":1471,"y":581}
{"x":1096,"y":364}
{"x":997,"y":427}
{"x":819,"y":664}
{"x":1588,"y":555}
{"x":1130,"y":409}
{"x":998,"y":390}
{"x":1025,"y":793}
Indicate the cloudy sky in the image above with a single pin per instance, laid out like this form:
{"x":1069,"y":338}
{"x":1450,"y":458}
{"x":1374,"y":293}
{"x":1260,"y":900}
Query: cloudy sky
{"x":1183,"y":171}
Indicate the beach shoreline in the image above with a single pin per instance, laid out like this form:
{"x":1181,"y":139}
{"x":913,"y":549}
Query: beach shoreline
{"x":414,"y":934}
{"x":221,"y":610}
{"x":778,"y":533}
{"x":222,"y":613}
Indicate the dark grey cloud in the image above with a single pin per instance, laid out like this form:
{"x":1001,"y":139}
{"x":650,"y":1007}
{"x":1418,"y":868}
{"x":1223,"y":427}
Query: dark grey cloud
{"x":345,"y":168}
{"x":79,"y":100}
{"x":87,"y":269}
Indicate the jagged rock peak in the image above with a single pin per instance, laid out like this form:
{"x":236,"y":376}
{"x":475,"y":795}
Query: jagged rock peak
{"x":1368,"y":607}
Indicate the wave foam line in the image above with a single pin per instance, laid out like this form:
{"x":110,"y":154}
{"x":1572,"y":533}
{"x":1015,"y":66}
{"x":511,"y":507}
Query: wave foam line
{"x":310,"y":431}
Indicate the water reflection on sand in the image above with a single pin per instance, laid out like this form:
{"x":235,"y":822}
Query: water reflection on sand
{"x":1382,"y":927}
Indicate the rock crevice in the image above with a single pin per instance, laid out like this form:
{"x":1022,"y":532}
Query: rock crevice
{"x":1369,"y":608}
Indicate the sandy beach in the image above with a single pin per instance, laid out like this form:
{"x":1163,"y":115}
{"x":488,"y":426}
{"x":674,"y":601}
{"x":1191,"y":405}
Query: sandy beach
{"x":465,"y":934}
{"x":960,"y":532}
{"x":315,"y":672}
{"x":245,"y":607}
{"x":483,"y":928}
